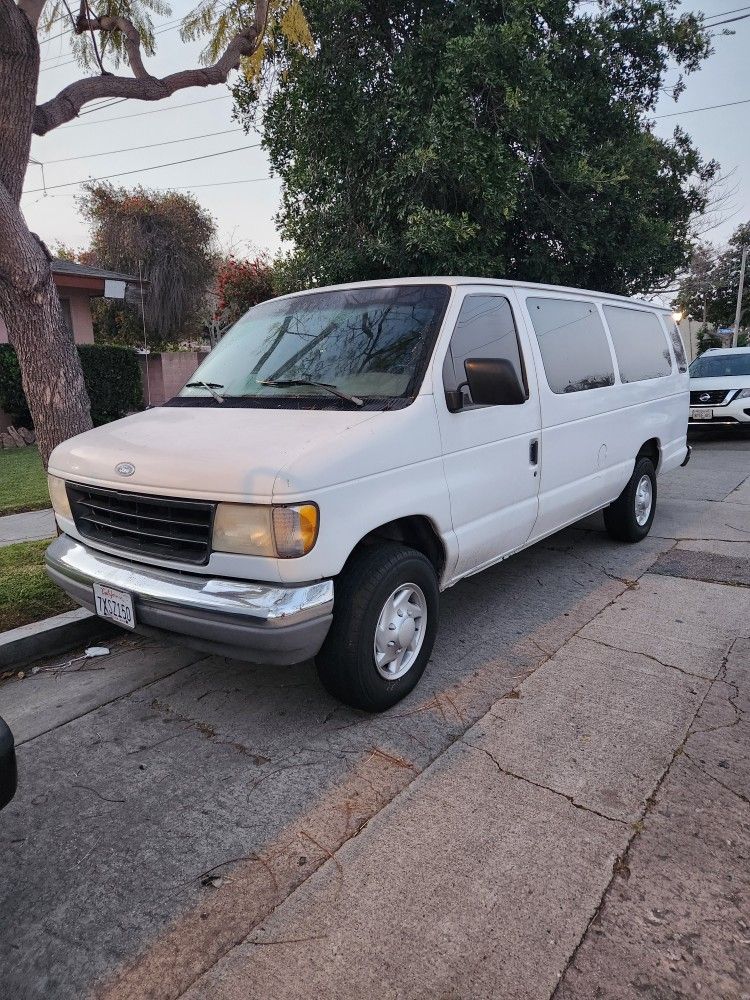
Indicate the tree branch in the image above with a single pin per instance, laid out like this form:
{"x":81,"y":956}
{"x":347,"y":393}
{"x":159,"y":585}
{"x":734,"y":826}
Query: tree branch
{"x":32,"y":9}
{"x":143,"y":86}
{"x":126,"y":28}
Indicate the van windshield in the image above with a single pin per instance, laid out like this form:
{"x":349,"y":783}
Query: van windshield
{"x":720,"y":365}
{"x":370,"y":344}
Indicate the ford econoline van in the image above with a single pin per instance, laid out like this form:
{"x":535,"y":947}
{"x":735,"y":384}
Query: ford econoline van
{"x":345,"y":454}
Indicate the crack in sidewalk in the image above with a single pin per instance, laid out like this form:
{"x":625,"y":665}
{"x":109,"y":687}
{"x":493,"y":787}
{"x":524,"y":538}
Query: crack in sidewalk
{"x":545,"y":788}
{"x":654,"y":659}
{"x":621,"y":860}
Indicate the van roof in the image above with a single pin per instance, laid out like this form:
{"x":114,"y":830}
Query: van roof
{"x":726,"y":350}
{"x":491,"y":282}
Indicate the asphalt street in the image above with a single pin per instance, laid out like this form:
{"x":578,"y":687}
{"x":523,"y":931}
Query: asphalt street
{"x":561,"y":808}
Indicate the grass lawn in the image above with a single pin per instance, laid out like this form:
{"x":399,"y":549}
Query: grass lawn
{"x":26,"y":593}
{"x":23,"y":484}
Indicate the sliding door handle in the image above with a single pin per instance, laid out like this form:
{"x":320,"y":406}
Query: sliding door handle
{"x":534,"y":451}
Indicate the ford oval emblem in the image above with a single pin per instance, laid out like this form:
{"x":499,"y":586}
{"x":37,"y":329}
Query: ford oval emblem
{"x":125,"y":469}
{"x":704,"y":397}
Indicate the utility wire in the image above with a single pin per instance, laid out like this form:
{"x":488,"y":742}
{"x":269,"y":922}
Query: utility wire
{"x":723,"y":13}
{"x":709,"y":107}
{"x":150,"y":145}
{"x":140,"y":114}
{"x":140,"y":170}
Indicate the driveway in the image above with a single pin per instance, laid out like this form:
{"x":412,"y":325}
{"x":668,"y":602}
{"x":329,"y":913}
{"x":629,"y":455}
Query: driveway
{"x":560,"y":808}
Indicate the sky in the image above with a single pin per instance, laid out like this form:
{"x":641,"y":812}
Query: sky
{"x":236,"y":187}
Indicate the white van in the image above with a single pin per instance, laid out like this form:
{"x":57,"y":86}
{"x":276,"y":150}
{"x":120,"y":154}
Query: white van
{"x":345,"y":454}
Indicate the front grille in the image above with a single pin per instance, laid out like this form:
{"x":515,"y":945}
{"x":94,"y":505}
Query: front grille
{"x":139,"y":523}
{"x":715,"y":397}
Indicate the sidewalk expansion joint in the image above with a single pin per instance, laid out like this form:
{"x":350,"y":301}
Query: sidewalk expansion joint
{"x":544,"y":788}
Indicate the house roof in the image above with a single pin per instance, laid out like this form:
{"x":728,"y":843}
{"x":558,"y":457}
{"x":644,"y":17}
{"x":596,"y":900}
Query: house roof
{"x":84,"y":271}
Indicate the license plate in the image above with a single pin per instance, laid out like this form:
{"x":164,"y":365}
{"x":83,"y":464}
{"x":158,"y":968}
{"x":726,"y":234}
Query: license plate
{"x":114,"y":605}
{"x":701,"y":414}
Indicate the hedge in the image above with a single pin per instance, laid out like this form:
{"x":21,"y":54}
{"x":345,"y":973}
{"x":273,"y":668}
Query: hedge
{"x":112,"y":376}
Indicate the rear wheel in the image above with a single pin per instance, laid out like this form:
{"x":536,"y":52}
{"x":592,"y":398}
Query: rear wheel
{"x":383,"y":629}
{"x":630,"y":517}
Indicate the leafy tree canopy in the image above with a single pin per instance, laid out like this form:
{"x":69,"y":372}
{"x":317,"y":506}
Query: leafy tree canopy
{"x":168,"y":238}
{"x":483,"y":137}
{"x":708,"y":291}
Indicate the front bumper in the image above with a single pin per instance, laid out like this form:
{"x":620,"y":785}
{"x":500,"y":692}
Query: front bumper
{"x":261,"y":622}
{"x":730,"y":414}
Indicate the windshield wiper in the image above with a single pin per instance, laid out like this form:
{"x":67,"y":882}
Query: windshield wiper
{"x":284,"y":382}
{"x":211,"y":386}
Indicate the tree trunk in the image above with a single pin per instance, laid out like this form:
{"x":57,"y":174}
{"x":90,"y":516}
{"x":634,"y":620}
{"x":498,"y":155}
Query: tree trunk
{"x":29,"y":304}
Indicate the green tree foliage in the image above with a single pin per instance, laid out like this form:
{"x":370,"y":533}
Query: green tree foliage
{"x":708,"y":291}
{"x":484,"y":137}
{"x":168,"y":238}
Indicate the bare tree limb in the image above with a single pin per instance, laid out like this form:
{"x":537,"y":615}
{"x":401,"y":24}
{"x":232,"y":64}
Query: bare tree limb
{"x":143,"y":86}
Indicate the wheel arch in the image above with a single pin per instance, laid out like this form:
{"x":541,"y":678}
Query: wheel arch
{"x":415,"y":530}
{"x":650,"y":449}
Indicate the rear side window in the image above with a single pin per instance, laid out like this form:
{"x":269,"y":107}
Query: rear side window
{"x":640,"y":346}
{"x":485,"y":329}
{"x":677,"y":346}
{"x":574,"y":346}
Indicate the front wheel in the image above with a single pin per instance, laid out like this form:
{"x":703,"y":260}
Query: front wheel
{"x":383,"y":629}
{"x":630,"y":517}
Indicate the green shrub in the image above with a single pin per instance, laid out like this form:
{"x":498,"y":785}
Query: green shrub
{"x":112,"y":377}
{"x":12,"y":399}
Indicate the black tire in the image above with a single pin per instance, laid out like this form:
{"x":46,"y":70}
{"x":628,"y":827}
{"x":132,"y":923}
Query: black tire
{"x":346,"y":662}
{"x":620,"y":517}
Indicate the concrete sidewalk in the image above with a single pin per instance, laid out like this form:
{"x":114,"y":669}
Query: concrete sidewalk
{"x":600,"y":782}
{"x":31,"y":526}
{"x":559,"y":809}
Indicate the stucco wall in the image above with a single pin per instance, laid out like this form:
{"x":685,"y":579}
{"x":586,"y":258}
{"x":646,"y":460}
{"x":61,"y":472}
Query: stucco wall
{"x":80,"y":315}
{"x":167,"y":373}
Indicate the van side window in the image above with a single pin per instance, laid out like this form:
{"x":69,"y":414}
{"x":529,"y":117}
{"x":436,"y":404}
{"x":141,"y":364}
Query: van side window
{"x":677,"y":346}
{"x":641,"y":349}
{"x":484,"y":329}
{"x":574,"y":346}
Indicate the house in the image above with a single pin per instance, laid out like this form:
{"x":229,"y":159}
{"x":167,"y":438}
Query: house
{"x":77,"y":284}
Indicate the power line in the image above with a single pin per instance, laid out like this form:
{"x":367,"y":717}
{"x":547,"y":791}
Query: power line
{"x":140,"y":114}
{"x":186,"y":187}
{"x":140,"y":170}
{"x":723,"y":13}
{"x":150,"y":145}
{"x":729,"y":20}
{"x":710,"y":107}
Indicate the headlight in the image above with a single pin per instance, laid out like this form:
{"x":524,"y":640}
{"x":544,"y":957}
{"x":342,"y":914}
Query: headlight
{"x":255,"y":530}
{"x":743,"y":394}
{"x":59,"y":497}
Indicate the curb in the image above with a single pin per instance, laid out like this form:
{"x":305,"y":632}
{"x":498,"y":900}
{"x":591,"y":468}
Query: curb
{"x":51,"y":636}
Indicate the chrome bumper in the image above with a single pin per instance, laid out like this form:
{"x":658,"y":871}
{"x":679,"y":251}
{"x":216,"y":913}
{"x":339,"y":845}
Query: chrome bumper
{"x":258,"y":621}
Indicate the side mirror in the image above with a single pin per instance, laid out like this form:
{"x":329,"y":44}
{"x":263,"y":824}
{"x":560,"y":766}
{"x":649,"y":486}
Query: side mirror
{"x":7,"y":765}
{"x":494,"y":382}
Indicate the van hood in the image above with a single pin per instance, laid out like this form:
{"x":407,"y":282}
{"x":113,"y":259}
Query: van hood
{"x":202,"y":452}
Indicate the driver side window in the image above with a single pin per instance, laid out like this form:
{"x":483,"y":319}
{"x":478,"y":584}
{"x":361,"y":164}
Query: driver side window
{"x":485,"y":329}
